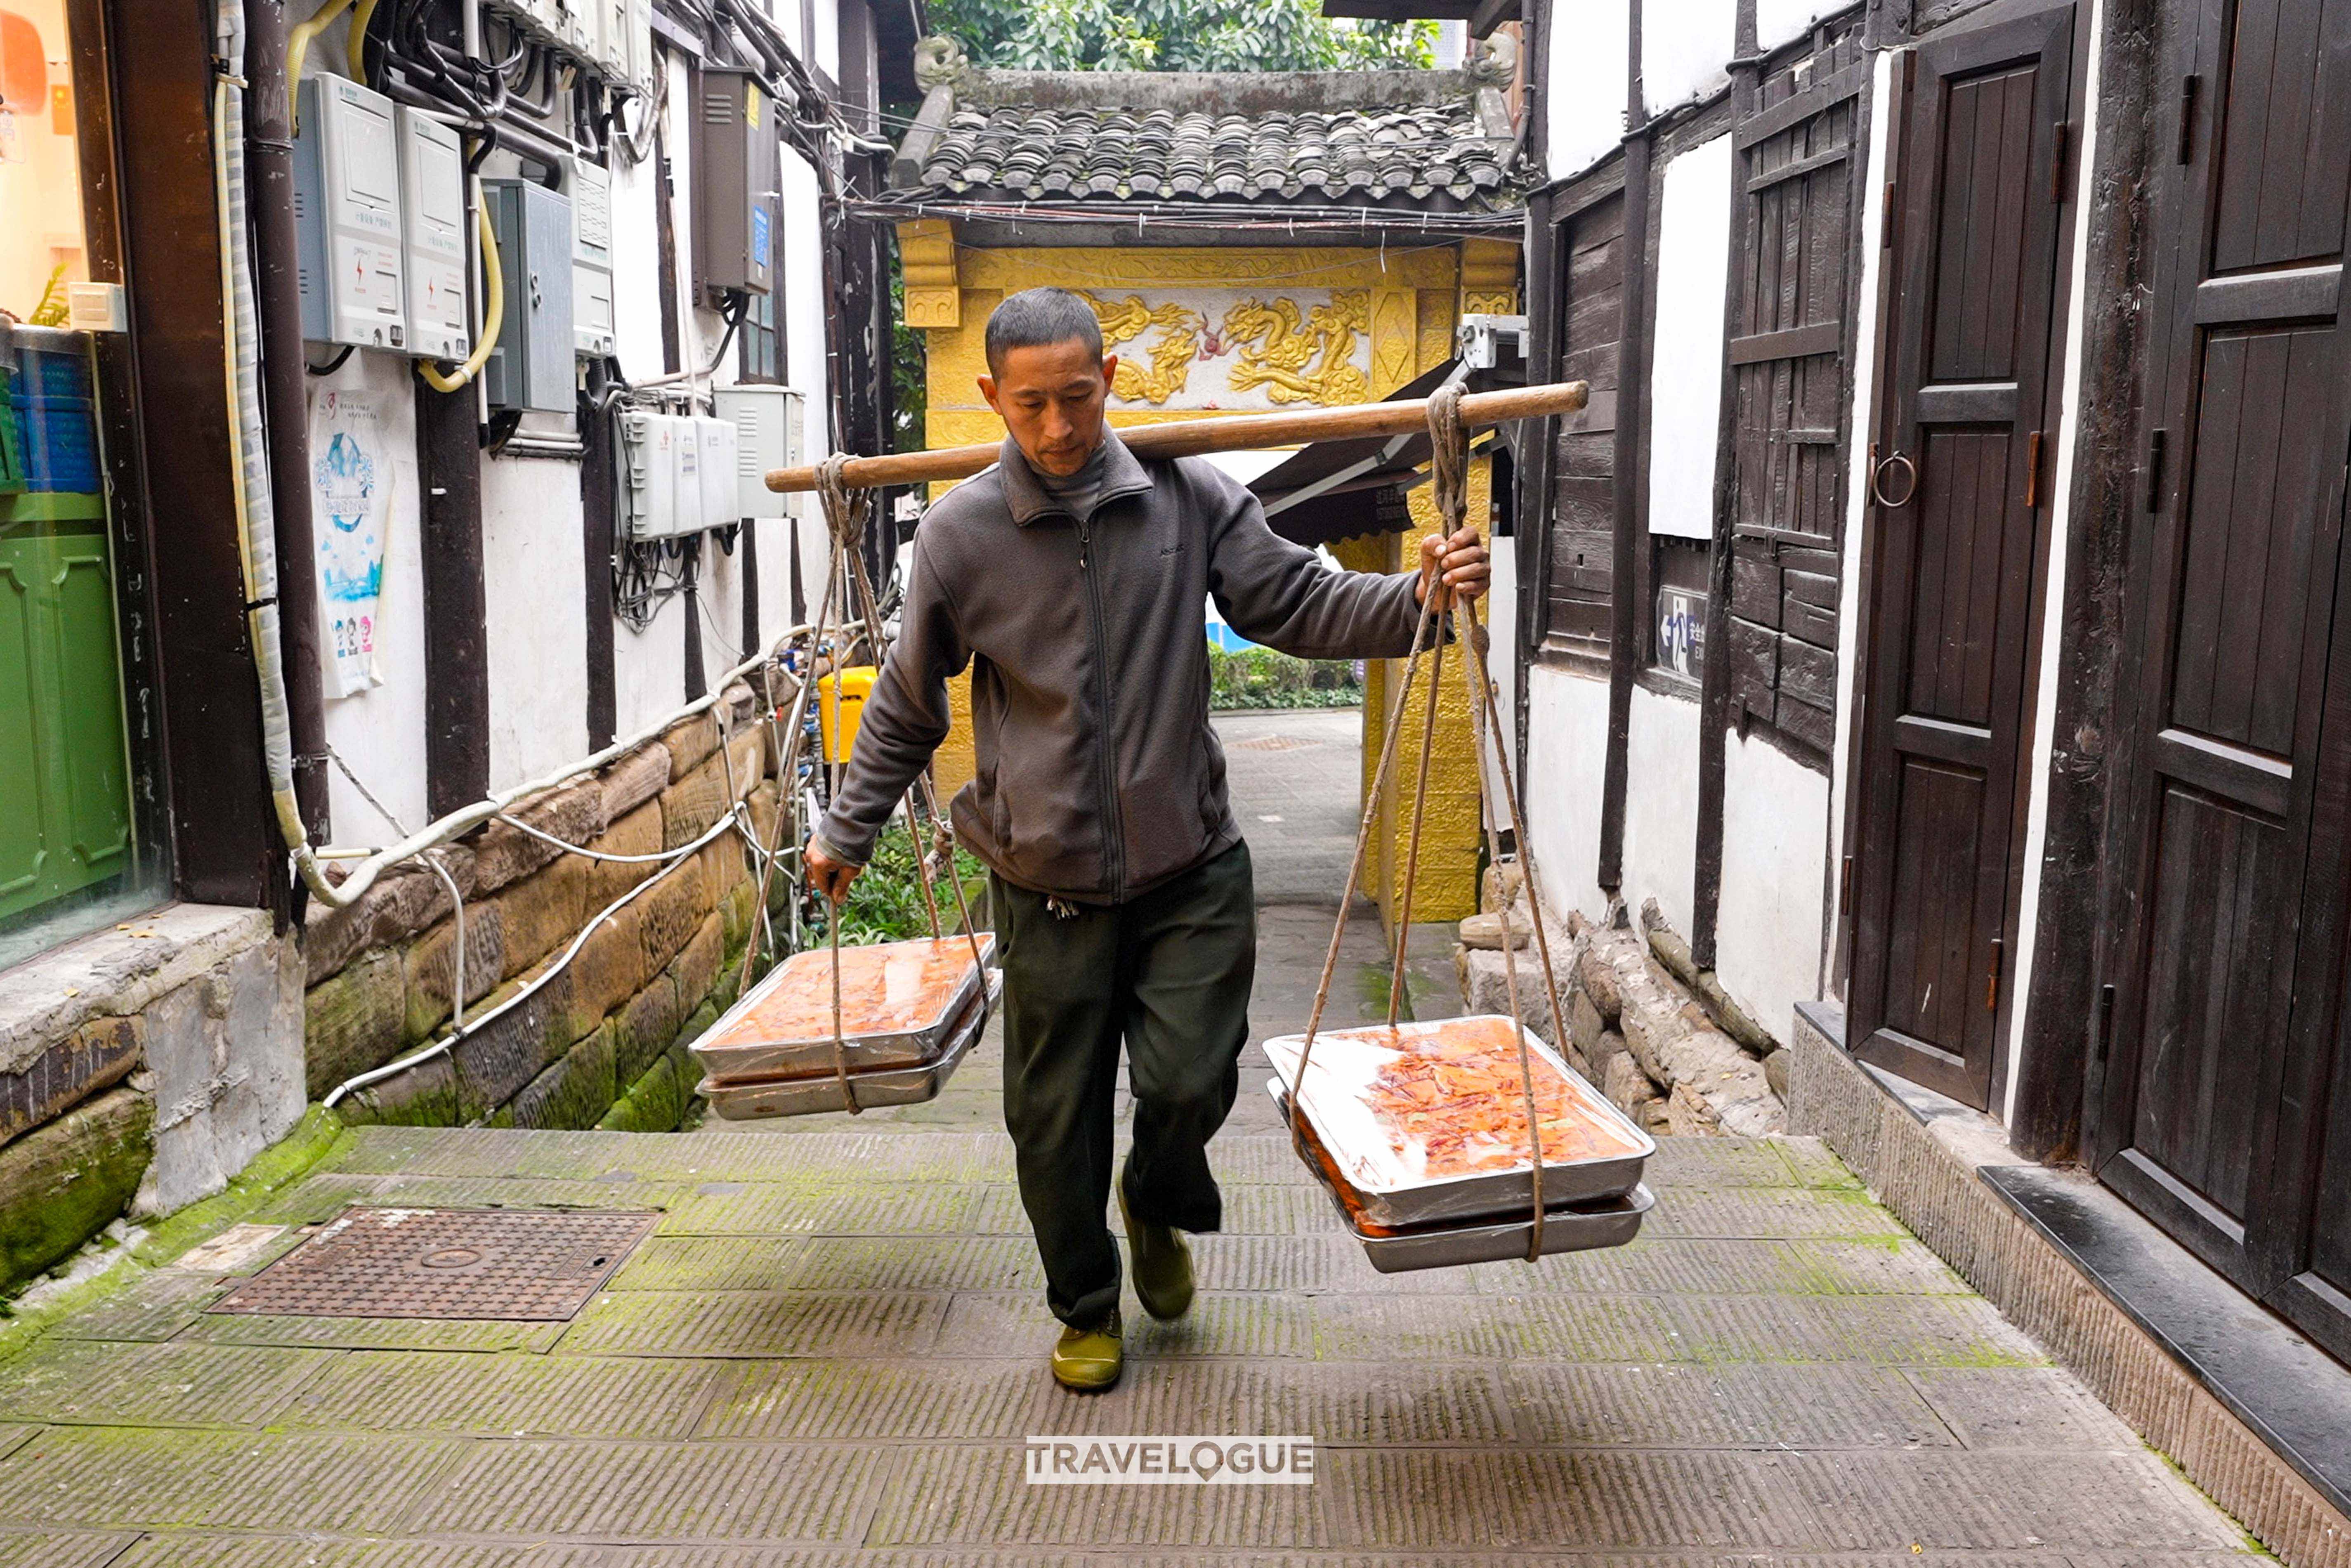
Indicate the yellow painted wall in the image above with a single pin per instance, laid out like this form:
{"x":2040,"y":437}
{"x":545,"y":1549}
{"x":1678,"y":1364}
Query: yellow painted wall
{"x":1416,"y":297}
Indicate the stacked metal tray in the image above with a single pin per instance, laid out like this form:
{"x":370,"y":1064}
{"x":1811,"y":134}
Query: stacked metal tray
{"x":874,"y":1088}
{"x":1567,"y":1227}
{"x":1370,"y":1088}
{"x":910,"y":1011}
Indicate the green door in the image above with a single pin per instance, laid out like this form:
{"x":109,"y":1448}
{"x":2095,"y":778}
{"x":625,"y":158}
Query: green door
{"x":65,"y":782}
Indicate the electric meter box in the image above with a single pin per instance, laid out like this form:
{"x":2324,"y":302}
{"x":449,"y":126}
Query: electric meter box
{"x":719,"y":504}
{"x":346,"y":216}
{"x":532,"y":367}
{"x":593,"y":321}
{"x":737,"y":170}
{"x":767,"y":422}
{"x":613,"y":17}
{"x":433,"y":218}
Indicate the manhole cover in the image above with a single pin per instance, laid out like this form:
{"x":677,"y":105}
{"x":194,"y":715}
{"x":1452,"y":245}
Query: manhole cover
{"x":538,"y":1265}
{"x":1274,"y":743}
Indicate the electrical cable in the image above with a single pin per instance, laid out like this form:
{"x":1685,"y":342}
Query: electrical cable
{"x":298,"y":48}
{"x":356,"y":52}
{"x":332,"y":366}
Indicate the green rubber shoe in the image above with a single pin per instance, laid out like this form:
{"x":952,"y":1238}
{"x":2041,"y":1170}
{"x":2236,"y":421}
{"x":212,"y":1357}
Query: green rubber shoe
{"x":1089,"y":1359}
{"x":1162,"y":1263}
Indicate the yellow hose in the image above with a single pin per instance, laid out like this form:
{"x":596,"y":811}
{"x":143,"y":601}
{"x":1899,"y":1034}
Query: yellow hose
{"x":298,"y":48}
{"x":493,"y":317}
{"x":357,"y":54}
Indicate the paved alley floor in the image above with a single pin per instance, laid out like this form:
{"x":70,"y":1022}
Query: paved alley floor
{"x":831,"y":1347}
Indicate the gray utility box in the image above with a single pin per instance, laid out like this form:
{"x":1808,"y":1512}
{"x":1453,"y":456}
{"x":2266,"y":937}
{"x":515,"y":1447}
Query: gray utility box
{"x":347,"y":258}
{"x":737,"y":167}
{"x":532,"y":366}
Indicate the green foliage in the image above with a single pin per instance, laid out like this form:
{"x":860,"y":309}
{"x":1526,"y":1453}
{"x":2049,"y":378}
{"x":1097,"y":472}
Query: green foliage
{"x":1177,"y":35}
{"x":885,"y":901}
{"x":1263,"y":678}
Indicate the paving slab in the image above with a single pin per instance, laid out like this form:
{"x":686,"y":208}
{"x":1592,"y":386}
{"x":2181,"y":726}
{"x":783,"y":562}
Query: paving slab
{"x":830,"y":1352}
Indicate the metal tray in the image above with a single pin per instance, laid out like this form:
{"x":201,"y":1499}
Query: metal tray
{"x":1454,"y":1199}
{"x":888,"y":1086}
{"x":736,"y":1051}
{"x":1579,"y":1227}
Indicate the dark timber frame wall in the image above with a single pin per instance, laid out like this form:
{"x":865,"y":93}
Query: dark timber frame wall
{"x":226,"y":849}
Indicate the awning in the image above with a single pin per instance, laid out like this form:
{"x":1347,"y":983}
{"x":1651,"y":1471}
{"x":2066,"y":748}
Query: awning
{"x":1334,"y":490}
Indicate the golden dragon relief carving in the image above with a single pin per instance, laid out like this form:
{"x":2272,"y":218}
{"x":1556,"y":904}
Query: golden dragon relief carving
{"x":1277,"y":348}
{"x":1171,"y":357}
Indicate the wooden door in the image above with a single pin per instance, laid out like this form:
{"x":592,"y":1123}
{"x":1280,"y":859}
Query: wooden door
{"x":2226,"y":859}
{"x":1589,"y":248}
{"x":1957,"y":490}
{"x":1799,"y":169}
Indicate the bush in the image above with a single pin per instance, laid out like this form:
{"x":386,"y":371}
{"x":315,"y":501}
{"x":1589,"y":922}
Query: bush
{"x":885,"y":903}
{"x":1263,"y":678}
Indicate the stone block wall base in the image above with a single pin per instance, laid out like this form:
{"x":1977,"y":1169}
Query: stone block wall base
{"x":1934,"y":1189}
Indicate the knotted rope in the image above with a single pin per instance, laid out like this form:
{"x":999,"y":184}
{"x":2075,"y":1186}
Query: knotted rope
{"x":1449,"y":488}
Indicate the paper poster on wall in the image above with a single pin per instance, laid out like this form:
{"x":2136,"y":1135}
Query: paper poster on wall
{"x":351,"y":493}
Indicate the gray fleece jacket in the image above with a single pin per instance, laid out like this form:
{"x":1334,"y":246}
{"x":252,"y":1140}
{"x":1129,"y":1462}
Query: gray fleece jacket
{"x":1098,"y":776}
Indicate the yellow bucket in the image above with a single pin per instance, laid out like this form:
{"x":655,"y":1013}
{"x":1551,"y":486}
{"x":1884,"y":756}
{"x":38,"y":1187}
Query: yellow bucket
{"x":841,"y":707}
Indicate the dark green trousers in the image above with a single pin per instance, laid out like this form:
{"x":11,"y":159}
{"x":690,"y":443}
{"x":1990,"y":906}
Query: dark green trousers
{"x":1168,"y":973}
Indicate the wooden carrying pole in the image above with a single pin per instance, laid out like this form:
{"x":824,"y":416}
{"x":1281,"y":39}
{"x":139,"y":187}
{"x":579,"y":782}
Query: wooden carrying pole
{"x":1221,"y":433}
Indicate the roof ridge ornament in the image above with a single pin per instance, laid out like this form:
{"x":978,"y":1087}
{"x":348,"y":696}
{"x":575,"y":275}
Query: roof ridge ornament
{"x":1493,"y":63}
{"x":940,"y":61}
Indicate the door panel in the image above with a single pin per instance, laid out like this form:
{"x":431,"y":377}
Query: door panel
{"x":1799,"y":167}
{"x":1957,"y":510}
{"x":2229,"y":850}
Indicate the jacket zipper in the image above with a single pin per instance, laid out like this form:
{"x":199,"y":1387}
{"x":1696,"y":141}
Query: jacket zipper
{"x":1114,"y":838}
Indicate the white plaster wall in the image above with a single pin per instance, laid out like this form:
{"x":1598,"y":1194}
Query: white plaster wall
{"x":636,"y":267}
{"x":825,"y":47}
{"x":1781,"y":21}
{"x":1686,"y":50}
{"x":2041,"y":717}
{"x":380,"y":732}
{"x":534,"y":587}
{"x":648,"y":669}
{"x":1499,"y":610}
{"x":1850,"y":592}
{"x":801,"y":245}
{"x":1567,"y":753}
{"x":1774,"y":841}
{"x":1585,"y":51}
{"x":1686,"y":378}
{"x":1661,"y":806}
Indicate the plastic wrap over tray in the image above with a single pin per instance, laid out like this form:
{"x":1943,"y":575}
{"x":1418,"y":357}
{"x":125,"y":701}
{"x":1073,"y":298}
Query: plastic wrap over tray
{"x":1426,"y":1121}
{"x":1573,"y":1228}
{"x":874,"y":1088}
{"x":898,"y":1002}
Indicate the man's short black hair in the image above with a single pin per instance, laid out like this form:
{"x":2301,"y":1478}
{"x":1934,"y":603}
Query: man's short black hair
{"x":1037,"y":316}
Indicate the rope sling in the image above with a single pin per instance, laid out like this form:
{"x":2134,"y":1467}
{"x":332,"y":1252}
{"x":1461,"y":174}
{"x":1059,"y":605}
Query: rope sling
{"x":846,"y":579}
{"x":1449,"y":436}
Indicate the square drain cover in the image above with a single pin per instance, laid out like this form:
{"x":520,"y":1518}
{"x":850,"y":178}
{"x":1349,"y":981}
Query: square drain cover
{"x":537,"y":1265}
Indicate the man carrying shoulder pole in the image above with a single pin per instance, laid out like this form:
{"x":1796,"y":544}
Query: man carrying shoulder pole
{"x":1073,"y":578}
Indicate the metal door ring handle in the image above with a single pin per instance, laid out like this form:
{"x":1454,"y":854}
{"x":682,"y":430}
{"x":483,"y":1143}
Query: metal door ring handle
{"x":1877,"y":482}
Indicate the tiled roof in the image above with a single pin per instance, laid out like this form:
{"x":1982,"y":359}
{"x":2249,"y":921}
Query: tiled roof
{"x":1426,"y":156}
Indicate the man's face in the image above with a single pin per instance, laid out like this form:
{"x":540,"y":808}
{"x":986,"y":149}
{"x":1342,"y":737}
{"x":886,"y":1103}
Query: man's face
{"x":1051,"y":398}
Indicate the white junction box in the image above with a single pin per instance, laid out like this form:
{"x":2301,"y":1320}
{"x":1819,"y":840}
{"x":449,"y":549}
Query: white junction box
{"x":719,"y":486}
{"x":593,"y":322}
{"x":685,"y":466}
{"x":768,"y":424}
{"x":346,"y":216}
{"x":433,"y":213}
{"x":648,"y":449}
